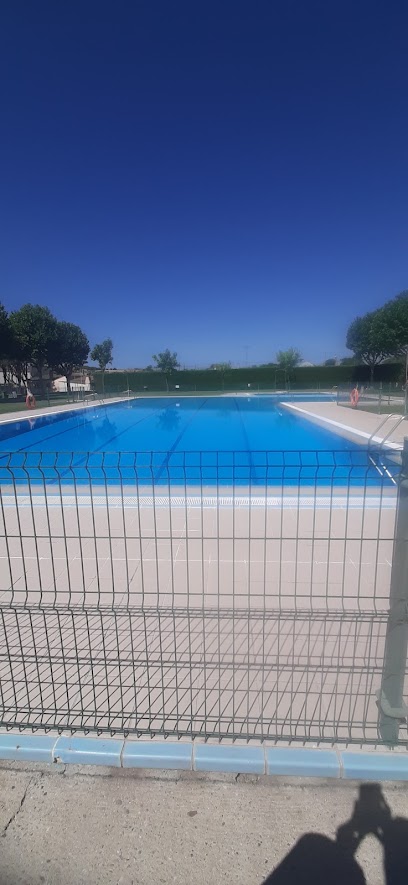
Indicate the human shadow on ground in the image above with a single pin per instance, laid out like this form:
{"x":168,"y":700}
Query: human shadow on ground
{"x":318,"y":860}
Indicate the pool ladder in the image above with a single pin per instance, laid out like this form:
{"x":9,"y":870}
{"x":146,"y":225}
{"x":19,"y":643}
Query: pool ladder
{"x":95,"y":398}
{"x":379,"y":464}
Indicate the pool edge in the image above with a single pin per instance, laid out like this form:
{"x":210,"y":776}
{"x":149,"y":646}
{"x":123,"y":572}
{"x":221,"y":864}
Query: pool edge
{"x":326,"y":762}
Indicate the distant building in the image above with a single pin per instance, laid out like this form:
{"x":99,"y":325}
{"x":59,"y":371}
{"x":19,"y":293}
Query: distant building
{"x":78,"y":382}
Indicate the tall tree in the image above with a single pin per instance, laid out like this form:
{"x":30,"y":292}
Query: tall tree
{"x":288,"y":359}
{"x":5,"y":343}
{"x":4,"y":332}
{"x":70,"y":350}
{"x":372,"y":339}
{"x":166,"y":361}
{"x":34,"y":331}
{"x":396,"y":318}
{"x":102,"y":354}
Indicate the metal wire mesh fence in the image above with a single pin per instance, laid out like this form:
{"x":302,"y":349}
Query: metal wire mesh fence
{"x":217,"y":594}
{"x":378,"y":398}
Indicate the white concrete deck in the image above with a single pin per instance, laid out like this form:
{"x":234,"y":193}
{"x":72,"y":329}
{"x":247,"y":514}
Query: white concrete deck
{"x":7,"y":417}
{"x":354,"y":424}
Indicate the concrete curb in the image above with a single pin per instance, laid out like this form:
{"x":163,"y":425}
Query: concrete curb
{"x":192,"y":756}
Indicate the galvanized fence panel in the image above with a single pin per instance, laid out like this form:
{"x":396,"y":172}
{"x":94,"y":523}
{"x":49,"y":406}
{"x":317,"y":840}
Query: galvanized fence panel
{"x":380,"y":398}
{"x":217,"y":594}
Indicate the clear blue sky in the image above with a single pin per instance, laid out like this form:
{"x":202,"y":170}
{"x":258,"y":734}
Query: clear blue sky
{"x":204,"y":175}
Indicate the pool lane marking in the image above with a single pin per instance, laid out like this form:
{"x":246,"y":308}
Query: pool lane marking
{"x":84,"y":452}
{"x":46,"y":438}
{"x":50,"y":435}
{"x":75,"y":409}
{"x":176,"y":442}
{"x":246,"y":440}
{"x":153,"y":414}
{"x":66,"y":470}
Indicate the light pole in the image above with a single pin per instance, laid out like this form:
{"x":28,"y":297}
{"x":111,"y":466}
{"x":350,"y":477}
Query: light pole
{"x":246,"y":349}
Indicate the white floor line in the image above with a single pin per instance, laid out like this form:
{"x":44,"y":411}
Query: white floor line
{"x":133,"y":502}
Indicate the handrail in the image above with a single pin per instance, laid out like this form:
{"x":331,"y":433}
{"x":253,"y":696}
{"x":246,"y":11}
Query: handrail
{"x":96,"y":397}
{"x":381,"y":466}
{"x":399,"y":420}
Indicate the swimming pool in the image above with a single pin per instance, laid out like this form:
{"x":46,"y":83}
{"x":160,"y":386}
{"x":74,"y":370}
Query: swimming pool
{"x":224,"y":440}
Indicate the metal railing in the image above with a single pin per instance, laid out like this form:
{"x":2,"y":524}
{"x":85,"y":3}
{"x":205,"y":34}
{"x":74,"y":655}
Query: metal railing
{"x":277,"y":385}
{"x":215,"y":594}
{"x":380,"y":398}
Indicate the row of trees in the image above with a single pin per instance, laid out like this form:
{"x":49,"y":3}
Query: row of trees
{"x":32,"y":337}
{"x":381,"y":334}
{"x":168,"y":362}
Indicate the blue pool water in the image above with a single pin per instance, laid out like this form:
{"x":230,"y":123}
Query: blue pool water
{"x":240,"y":440}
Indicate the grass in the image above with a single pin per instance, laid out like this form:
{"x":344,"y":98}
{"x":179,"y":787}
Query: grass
{"x":385,"y":408}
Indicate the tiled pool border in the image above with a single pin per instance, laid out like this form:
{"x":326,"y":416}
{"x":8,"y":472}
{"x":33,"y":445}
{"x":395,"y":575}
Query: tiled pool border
{"x":346,"y":764}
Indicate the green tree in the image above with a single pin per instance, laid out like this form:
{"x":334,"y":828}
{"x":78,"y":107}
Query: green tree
{"x":34,"y":331}
{"x":395,"y":314}
{"x":330,"y":362}
{"x":4,"y":333}
{"x":288,"y":359}
{"x":102,"y":354}
{"x":5,"y":343}
{"x":70,"y":350}
{"x":372,"y":339}
{"x":166,"y":361}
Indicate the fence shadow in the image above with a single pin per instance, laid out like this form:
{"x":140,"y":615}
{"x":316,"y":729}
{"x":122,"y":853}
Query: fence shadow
{"x":318,"y":860}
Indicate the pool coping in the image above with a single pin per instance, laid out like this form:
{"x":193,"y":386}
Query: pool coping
{"x":117,"y":752}
{"x":47,"y":411}
{"x":347,"y":429}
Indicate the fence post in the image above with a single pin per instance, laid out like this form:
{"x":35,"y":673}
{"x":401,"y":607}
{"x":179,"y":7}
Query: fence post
{"x":390,"y":697}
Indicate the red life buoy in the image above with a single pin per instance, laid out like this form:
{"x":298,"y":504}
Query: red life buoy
{"x":30,"y":401}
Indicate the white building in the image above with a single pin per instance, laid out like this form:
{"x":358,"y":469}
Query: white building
{"x":77,"y":384}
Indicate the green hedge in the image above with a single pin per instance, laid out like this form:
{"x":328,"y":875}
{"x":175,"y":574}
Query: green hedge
{"x":303,"y":377}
